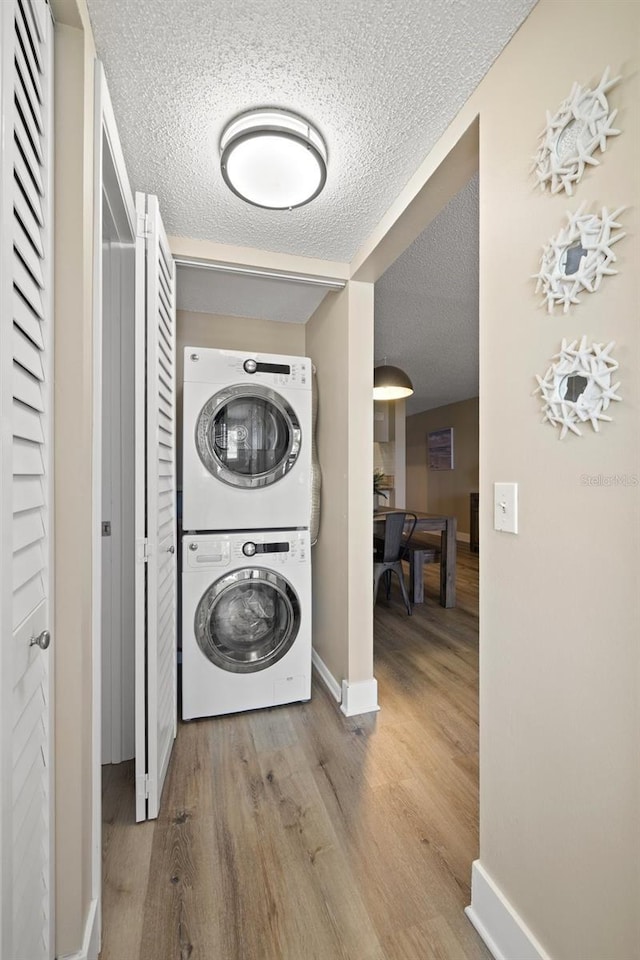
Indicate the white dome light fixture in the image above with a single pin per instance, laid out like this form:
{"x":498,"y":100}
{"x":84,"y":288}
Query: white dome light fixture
{"x":273,"y":159}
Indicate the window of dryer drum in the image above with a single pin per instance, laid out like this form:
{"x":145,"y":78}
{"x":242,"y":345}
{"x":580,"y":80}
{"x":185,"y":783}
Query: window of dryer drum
{"x":248,"y":436}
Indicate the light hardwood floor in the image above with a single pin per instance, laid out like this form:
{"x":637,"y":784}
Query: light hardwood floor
{"x":297,"y":834}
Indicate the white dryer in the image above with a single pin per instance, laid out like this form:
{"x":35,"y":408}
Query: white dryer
{"x":246,"y":621}
{"x":246,"y":441}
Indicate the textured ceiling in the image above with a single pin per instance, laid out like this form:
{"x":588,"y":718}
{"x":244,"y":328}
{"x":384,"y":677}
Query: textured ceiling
{"x":380,"y":78}
{"x":426,"y":307}
{"x":232,"y":295}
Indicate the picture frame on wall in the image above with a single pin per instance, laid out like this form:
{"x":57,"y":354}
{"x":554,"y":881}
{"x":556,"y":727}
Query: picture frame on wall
{"x":440,"y":449}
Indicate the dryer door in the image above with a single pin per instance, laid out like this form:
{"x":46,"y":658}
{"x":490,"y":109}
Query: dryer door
{"x":248,"y":436}
{"x":247,"y":620}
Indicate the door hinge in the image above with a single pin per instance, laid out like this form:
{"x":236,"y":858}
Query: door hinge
{"x":142,"y":786}
{"x":142,"y":229}
{"x":142,"y":550}
{"x":106,"y":528}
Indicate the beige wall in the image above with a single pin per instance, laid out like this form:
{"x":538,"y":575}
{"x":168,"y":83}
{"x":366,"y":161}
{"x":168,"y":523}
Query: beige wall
{"x":229,"y":333}
{"x":444,"y":491}
{"x":559,"y":642}
{"x":339,"y":338}
{"x":559,"y":602}
{"x":73,"y":242}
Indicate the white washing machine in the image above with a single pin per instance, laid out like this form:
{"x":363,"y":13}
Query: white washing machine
{"x":246,"y":441}
{"x":246,"y":621}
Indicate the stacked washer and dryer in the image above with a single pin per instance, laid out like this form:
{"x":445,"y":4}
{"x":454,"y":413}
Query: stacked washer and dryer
{"x":246,"y":553}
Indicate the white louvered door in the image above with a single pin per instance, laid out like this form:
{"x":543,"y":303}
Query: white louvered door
{"x":156,"y":686}
{"x":26,"y":355}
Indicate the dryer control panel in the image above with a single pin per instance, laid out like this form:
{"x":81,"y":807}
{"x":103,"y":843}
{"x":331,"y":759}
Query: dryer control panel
{"x":207,"y":365}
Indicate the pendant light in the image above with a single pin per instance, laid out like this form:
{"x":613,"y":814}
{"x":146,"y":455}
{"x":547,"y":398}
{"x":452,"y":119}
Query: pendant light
{"x":391,"y":383}
{"x":273,"y":159}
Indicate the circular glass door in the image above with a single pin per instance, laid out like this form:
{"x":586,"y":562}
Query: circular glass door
{"x":248,"y":620}
{"x":248,"y":436}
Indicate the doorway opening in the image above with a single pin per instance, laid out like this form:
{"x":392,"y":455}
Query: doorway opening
{"x":427,"y":450}
{"x":113,"y":540}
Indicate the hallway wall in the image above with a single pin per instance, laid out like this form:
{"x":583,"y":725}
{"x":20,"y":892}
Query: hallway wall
{"x":71,"y":644}
{"x":559,"y":602}
{"x":560,"y":616}
{"x":339,"y":339}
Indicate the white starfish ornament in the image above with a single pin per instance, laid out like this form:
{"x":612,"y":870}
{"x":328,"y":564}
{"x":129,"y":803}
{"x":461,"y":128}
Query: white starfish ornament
{"x":580,"y":126}
{"x":590,"y":369}
{"x":578,"y":257}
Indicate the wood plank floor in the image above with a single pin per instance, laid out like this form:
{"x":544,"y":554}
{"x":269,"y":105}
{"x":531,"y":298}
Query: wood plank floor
{"x":297,"y":834}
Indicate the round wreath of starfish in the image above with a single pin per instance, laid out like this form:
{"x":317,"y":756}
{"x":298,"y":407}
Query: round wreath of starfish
{"x":589,"y":111}
{"x":595,"y":364}
{"x":595,"y":235}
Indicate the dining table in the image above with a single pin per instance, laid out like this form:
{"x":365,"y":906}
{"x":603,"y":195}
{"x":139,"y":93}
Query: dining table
{"x":447,"y":527}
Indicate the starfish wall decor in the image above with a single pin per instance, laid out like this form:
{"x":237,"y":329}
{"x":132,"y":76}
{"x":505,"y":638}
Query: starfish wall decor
{"x":577,"y":387}
{"x":578,"y":257}
{"x":580,"y":126}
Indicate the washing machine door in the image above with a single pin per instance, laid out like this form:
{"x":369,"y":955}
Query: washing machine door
{"x":247,"y":620}
{"x":248,"y":436}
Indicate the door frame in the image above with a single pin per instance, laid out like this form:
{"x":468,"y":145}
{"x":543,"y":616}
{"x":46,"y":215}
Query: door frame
{"x":105,"y":129}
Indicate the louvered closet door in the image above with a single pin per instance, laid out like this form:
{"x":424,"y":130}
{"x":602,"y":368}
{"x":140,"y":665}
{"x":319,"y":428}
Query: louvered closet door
{"x":25,"y":481}
{"x":160,"y":513}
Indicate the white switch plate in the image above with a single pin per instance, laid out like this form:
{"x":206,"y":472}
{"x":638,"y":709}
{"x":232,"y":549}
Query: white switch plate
{"x":505,"y":507}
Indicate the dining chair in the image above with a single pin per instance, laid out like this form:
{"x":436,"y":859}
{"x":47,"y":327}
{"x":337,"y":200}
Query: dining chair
{"x":389,"y":551}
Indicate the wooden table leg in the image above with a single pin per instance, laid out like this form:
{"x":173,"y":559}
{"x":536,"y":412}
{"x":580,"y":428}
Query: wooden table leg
{"x":416,"y":576}
{"x":448,"y":564}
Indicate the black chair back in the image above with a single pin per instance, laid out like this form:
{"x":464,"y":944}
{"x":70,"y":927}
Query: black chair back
{"x":395,"y":535}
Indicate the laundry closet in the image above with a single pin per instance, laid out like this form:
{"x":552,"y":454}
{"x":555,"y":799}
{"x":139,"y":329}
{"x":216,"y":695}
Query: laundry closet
{"x":246,"y":495}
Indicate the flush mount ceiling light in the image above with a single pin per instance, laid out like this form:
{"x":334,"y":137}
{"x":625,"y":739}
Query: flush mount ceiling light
{"x":391,"y":383}
{"x":273,"y":159}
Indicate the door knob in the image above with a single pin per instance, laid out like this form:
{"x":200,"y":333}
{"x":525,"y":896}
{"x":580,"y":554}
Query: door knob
{"x":172,"y":549}
{"x":42,"y":640}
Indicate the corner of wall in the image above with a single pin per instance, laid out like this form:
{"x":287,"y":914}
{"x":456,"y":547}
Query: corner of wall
{"x":500,"y":926}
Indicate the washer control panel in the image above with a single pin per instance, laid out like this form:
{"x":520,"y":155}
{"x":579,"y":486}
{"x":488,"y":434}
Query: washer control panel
{"x":264,"y":548}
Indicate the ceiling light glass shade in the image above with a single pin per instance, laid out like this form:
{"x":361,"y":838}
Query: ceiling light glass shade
{"x":273,"y":159}
{"x":391,"y":383}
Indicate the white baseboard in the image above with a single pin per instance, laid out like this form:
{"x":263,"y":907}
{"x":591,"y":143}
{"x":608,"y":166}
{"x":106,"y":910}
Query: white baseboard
{"x":354,"y":698}
{"x":359,"y":697}
{"x":463,"y":537}
{"x":500,"y":926}
{"x":91,"y":940}
{"x":326,"y":676}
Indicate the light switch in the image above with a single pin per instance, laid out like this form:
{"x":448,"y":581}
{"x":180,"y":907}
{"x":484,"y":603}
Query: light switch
{"x":505,"y":507}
